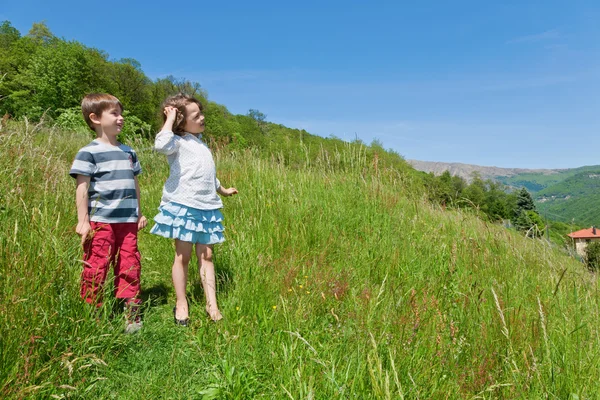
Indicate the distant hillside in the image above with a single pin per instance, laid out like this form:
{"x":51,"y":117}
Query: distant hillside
{"x":575,"y":198}
{"x":566,"y":195}
{"x":535,"y":182}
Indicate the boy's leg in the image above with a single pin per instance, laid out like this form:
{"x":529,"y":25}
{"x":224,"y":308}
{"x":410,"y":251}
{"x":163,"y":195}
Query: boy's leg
{"x":207,"y":276}
{"x":183,"y":253}
{"x":128,"y":266}
{"x":98,"y":254}
{"x":127,"y":274}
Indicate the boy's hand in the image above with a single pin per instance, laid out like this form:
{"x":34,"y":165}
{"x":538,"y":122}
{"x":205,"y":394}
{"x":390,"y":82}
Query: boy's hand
{"x":229,"y":192}
{"x":84,"y":230}
{"x":142,"y":222}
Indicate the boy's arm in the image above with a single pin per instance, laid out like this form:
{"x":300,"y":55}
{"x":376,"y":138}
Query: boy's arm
{"x":83,"y":228}
{"x":142,"y":222}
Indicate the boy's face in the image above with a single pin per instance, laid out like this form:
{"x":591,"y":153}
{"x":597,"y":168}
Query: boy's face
{"x":194,"y":121}
{"x":110,"y":122}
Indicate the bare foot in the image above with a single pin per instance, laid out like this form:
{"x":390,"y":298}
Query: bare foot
{"x":214,"y":314}
{"x":182,"y":311}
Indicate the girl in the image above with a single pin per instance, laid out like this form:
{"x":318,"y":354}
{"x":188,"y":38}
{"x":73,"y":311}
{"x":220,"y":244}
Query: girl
{"x":189,"y":208}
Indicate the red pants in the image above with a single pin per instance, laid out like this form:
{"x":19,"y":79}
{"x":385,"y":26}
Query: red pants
{"x":111,"y":242}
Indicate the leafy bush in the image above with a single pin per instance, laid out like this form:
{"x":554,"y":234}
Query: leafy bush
{"x":592,"y":256}
{"x":134,"y":126}
{"x":71,"y":119}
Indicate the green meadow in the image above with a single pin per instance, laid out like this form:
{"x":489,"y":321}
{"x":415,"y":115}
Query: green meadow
{"x":338,"y":280}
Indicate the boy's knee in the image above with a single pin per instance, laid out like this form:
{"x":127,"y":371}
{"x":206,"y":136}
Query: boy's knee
{"x":94,"y":274}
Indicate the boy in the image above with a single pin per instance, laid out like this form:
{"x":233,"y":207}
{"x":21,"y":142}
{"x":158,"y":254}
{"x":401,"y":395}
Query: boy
{"x":108,"y":207}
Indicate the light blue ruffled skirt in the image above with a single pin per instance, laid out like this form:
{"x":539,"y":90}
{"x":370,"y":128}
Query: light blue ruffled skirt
{"x":188,"y":224}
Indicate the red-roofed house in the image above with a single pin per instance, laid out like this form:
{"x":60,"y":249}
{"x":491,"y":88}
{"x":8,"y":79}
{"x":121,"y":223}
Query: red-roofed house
{"x":583,"y":237}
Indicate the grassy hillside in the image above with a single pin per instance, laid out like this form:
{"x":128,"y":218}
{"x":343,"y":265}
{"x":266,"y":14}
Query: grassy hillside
{"x":337,"y":280}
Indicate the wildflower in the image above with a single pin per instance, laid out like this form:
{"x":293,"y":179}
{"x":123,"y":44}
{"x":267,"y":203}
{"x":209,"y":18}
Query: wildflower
{"x":290,"y":289}
{"x":237,"y":308}
{"x":300,"y":286}
{"x":307,"y":292}
{"x":274,"y":307}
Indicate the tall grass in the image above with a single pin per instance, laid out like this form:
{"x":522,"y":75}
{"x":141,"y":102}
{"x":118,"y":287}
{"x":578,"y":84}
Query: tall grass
{"x":337,"y":280}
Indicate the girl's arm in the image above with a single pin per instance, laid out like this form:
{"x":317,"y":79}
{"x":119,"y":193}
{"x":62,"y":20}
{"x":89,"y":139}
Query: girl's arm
{"x":222,"y":191}
{"x":227,"y":192}
{"x":166,"y":141}
{"x":83,"y":228}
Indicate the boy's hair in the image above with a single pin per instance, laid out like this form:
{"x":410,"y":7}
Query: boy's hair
{"x":97,"y":103}
{"x":179,"y":101}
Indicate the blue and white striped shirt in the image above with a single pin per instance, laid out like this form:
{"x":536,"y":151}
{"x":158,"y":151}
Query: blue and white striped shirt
{"x":111,"y":196}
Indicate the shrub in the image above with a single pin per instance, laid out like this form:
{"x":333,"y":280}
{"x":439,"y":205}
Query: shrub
{"x":592,"y":256}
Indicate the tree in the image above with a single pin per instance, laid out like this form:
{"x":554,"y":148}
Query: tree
{"x":257,"y":115}
{"x":8,"y":35}
{"x":526,"y":215}
{"x":40,"y":33}
{"x":58,"y":76}
{"x":132,"y":87}
{"x":524,"y":201}
{"x":592,"y":256}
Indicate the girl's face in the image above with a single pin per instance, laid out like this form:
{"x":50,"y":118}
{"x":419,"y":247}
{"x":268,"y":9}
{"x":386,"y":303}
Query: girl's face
{"x":194,"y":122}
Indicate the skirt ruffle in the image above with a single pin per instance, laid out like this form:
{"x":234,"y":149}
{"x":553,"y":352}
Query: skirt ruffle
{"x":188,"y":224}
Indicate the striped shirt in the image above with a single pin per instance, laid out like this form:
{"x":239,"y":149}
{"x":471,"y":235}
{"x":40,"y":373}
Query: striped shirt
{"x":111,"y":196}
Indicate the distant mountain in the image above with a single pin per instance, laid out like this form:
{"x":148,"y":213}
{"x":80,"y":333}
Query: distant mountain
{"x":466,"y":171}
{"x":566,"y":195}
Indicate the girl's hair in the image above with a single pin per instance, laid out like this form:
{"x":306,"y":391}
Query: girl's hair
{"x":179,"y":101}
{"x":97,"y":103}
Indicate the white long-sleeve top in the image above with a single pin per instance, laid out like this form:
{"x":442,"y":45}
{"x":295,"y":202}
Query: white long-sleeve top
{"x":193,"y":176}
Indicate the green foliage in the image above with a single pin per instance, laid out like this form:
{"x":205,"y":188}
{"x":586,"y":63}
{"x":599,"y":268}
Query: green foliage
{"x":257,"y":116}
{"x":573,"y":199}
{"x":535,"y":182}
{"x":135,"y":127}
{"x":489,"y":198}
{"x":526,"y":219}
{"x":71,"y":119}
{"x":58,"y":74}
{"x":592,"y":256}
{"x":524,"y":201}
{"x":530,"y":223}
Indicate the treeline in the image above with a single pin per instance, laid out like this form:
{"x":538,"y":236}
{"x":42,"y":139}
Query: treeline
{"x":43,"y":76}
{"x":491,"y":199}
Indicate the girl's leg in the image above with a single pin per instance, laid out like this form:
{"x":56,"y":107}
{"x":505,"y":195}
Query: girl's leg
{"x":183,"y":253}
{"x":207,"y":276}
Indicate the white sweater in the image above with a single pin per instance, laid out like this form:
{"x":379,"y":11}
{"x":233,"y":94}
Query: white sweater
{"x":193,"y":178}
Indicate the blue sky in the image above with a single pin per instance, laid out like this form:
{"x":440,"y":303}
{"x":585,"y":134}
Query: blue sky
{"x":508,"y":84}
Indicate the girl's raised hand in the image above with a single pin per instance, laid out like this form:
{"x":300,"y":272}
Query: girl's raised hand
{"x":171,"y":113}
